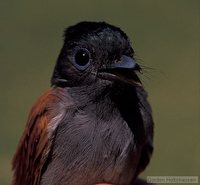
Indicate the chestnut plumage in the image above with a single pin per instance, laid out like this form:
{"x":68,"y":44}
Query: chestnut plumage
{"x":94,"y":125}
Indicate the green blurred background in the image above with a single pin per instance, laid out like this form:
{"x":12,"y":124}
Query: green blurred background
{"x":165,"y":35}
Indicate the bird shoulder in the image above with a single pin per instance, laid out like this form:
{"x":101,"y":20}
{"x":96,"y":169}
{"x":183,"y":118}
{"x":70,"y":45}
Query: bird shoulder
{"x":35,"y":144}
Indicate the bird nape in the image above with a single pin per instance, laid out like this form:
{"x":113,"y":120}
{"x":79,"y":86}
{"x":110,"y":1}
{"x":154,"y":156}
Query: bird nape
{"x":94,"y":125}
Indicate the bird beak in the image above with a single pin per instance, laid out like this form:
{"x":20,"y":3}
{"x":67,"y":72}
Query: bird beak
{"x":122,"y":70}
{"x":126,"y":63}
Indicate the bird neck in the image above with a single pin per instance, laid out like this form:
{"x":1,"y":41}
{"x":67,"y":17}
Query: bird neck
{"x":90,"y":93}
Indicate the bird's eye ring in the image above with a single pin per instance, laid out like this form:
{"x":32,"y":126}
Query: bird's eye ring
{"x":81,"y":58}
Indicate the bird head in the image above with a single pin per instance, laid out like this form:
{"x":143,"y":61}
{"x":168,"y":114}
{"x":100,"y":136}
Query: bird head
{"x":95,"y":51}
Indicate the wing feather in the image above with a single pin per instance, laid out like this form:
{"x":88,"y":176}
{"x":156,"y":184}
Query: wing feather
{"x":36,"y":141}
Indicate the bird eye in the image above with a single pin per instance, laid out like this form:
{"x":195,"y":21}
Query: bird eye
{"x":82,"y":58}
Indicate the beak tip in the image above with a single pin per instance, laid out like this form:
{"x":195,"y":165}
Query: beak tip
{"x":138,"y":68}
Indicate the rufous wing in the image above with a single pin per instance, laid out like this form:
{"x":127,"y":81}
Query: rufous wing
{"x":36,"y":142}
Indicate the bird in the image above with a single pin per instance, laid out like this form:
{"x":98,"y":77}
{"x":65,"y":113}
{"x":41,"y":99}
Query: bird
{"x":94,"y":124}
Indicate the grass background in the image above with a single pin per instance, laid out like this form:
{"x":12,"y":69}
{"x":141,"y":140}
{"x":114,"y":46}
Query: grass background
{"x":165,"y":35}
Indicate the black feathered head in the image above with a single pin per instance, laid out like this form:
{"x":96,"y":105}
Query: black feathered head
{"x":95,"y":51}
